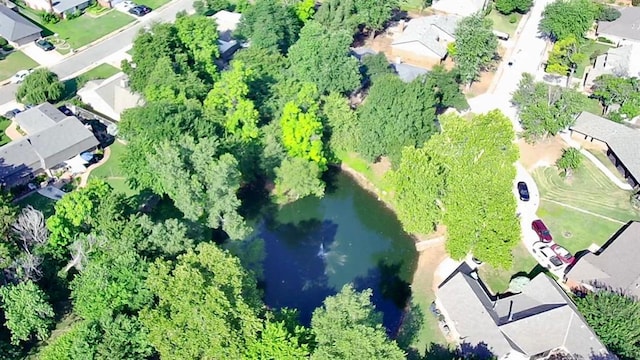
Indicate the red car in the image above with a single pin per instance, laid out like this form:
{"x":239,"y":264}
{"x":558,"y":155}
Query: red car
{"x":563,"y":254}
{"x":541,"y":229}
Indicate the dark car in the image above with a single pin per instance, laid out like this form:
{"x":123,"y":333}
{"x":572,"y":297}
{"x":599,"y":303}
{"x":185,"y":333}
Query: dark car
{"x":523,"y":191}
{"x":140,"y":10}
{"x":44,"y":45}
{"x":563,"y":254}
{"x":541,"y":229}
{"x":11,"y":113}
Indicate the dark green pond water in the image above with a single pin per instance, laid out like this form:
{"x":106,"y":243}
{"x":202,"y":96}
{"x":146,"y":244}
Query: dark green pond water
{"x":315,"y":246}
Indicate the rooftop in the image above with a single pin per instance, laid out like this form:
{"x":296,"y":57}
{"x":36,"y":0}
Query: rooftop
{"x":426,"y":31}
{"x":459,"y":7}
{"x":14,"y":26}
{"x":39,"y":118}
{"x":616,"y":265}
{"x":627,"y":26}
{"x":61,"y":6}
{"x":408,"y":73}
{"x":110,"y":96}
{"x":227,"y":22}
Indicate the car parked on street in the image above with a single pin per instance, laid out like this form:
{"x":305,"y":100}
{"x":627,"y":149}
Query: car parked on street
{"x":523,"y":191}
{"x":546,"y":256}
{"x":563,"y":254}
{"x":140,"y":10}
{"x":541,"y":229}
{"x":20,"y":76}
{"x":44,"y":44}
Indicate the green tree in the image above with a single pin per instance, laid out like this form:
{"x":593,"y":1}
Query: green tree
{"x":40,"y":86}
{"x":612,"y":89}
{"x":305,"y":9}
{"x":276,"y":342}
{"x":348,"y":327}
{"x":322,"y":57}
{"x":338,"y":15}
{"x":616,"y":320}
{"x":475,"y":47}
{"x":207,"y":7}
{"x":199,"y":36}
{"x":201,"y":181}
{"x":607,"y":13}
{"x":544,"y":109}
{"x":26,"y":311}
{"x":207,"y":306}
{"x":342,"y":123}
{"x":376,"y":65}
{"x":570,"y":159}
{"x":509,"y":6}
{"x":270,"y":24}
{"x":564,"y":56}
{"x":373,"y":14}
{"x":563,"y":18}
{"x":227,"y":103}
{"x":168,"y":238}
{"x":297,"y":178}
{"x":447,"y":89}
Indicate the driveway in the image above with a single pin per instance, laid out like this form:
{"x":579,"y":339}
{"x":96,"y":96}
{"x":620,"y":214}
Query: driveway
{"x":44,"y":58}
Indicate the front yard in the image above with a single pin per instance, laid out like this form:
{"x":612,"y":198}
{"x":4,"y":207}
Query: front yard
{"x":502,"y":23}
{"x":82,"y":30}
{"x":102,"y":71}
{"x":14,"y":62}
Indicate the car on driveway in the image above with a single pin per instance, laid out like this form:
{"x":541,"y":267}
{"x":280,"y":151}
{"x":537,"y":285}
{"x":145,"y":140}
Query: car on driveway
{"x":140,"y":10}
{"x":20,"y":76}
{"x":523,"y":191}
{"x":541,"y":229}
{"x":127,"y":4}
{"x":546,"y":256}
{"x":11,"y":113}
{"x":44,"y":44}
{"x":563,"y":254}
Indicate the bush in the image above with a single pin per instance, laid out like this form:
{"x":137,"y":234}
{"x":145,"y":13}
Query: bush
{"x":608,"y":13}
{"x":73,"y":15}
{"x":3,"y":42}
{"x":49,"y":18}
{"x":507,"y":7}
{"x":513,"y":19}
{"x":7,"y":47}
{"x":604,"y":40}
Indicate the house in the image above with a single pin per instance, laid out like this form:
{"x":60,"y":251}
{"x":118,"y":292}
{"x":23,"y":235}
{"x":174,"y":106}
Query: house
{"x":623,"y":30}
{"x":111,"y":96}
{"x":60,"y":7}
{"x":459,"y":7}
{"x":408,"y":73}
{"x":621,"y":61}
{"x":39,"y":118}
{"x":16,"y":29}
{"x":614,"y":266}
{"x":425,"y":39}
{"x":57,"y":139}
{"x":227,"y":22}
{"x":621,"y":142}
{"x":539,"y":321}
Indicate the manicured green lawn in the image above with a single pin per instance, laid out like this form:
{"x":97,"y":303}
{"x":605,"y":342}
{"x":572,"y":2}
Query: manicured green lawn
{"x":589,"y":50}
{"x":84,"y":29}
{"x":153,"y":4}
{"x":102,"y":71}
{"x":39,"y":202}
{"x":15,"y":62}
{"x":602,"y":156}
{"x":111,"y":171}
{"x":497,"y":280}
{"x":501,"y":22}
{"x":4,"y":124}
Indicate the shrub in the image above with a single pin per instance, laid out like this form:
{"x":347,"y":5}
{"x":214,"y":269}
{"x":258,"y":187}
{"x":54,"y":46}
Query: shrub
{"x":513,"y":19}
{"x":3,"y":42}
{"x":73,"y":15}
{"x":608,"y":13}
{"x":604,"y":40}
{"x":635,"y":2}
{"x":505,"y":6}
{"x":49,"y":18}
{"x":7,"y":47}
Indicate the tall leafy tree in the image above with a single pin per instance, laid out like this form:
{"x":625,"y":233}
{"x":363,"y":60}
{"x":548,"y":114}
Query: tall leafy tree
{"x":199,"y":36}
{"x":26,"y":310}
{"x":570,"y":159}
{"x":563,"y":18}
{"x":475,"y":46}
{"x":625,"y":91}
{"x":276,"y":342}
{"x":447,"y":89}
{"x":40,"y":86}
{"x":342,"y":123}
{"x":338,"y":15}
{"x":616,"y":320}
{"x":564,"y":56}
{"x":348,"y":327}
{"x":322,"y":57}
{"x":373,"y":14}
{"x":297,"y":178}
{"x":509,"y":6}
{"x":544,"y":109}
{"x":207,"y":306}
{"x":201,"y":181}
{"x":270,"y":24}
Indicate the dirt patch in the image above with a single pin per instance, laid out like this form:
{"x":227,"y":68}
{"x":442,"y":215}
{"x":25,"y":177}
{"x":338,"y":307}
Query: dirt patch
{"x":381,"y":167}
{"x":589,"y":145}
{"x":428,"y":262}
{"x":541,"y":153}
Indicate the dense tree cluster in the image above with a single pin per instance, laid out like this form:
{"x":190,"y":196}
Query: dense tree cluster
{"x":564,"y":18}
{"x":509,"y":6}
{"x":475,"y":47}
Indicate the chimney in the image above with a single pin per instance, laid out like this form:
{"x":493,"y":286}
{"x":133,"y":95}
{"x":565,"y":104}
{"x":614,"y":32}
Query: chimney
{"x":401,"y":26}
{"x":124,"y":82}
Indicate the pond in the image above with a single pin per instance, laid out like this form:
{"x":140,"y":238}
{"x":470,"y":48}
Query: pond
{"x":315,"y":246}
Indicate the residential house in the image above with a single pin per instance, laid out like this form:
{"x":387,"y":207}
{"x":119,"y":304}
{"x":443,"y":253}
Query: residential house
{"x":17,"y":29}
{"x":425,"y":39}
{"x":227,"y":22}
{"x":624,"y":30}
{"x":61,"y":8}
{"x":408,"y":73}
{"x":621,"y":61}
{"x":535,"y":323}
{"x":615,"y":266}
{"x":620,"y":141}
{"x":463,"y":8}
{"x":111,"y":96}
{"x":55,"y":139}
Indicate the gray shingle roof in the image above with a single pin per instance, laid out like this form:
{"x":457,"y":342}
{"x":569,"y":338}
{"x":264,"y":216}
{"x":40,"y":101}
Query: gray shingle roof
{"x":66,"y":5}
{"x":39,"y":118}
{"x":14,"y":27}
{"x":622,"y":140}
{"x":425,"y":30}
{"x":408,"y":73}
{"x":539,"y":319}
{"x":627,"y":26}
{"x":616,"y":265}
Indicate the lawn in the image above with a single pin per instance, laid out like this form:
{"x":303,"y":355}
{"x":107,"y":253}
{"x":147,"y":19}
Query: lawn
{"x":82,"y":30}
{"x":111,"y":171}
{"x":153,"y":4}
{"x":497,"y":280}
{"x":502,"y":23}
{"x":590,"y":49}
{"x":102,"y":71}
{"x":15,"y":62}
{"x":38,"y":202}
{"x":4,"y":124}
{"x":602,"y":156}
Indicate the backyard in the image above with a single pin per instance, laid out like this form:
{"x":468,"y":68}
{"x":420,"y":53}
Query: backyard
{"x":14,"y":62}
{"x":111,"y":172}
{"x":38,"y":202}
{"x":497,"y":280}
{"x":502,"y":22}
{"x":82,"y":30}
{"x":4,"y":124}
{"x":584,"y":209}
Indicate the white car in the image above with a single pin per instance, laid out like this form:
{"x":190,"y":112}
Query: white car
{"x":546,"y":256}
{"x":127,"y":4}
{"x":20,"y":76}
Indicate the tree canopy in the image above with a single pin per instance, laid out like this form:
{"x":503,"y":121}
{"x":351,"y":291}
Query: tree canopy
{"x":563,"y":18}
{"x":40,"y":86}
{"x":26,"y":310}
{"x":624,"y":91}
{"x":270,"y":24}
{"x":475,"y":46}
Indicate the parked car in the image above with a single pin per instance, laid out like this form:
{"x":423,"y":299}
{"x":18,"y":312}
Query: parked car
{"x":128,"y":4}
{"x":140,"y":10}
{"x":20,"y":76}
{"x":434,"y":310}
{"x":44,"y":44}
{"x":523,"y":191}
{"x":11,"y":113}
{"x":563,"y":254}
{"x":541,"y":229}
{"x":546,"y":256}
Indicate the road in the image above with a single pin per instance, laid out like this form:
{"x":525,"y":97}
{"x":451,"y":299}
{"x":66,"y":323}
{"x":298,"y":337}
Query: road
{"x":95,"y":54}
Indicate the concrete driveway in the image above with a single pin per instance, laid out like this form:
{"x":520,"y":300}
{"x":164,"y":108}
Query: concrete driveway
{"x":44,"y":58}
